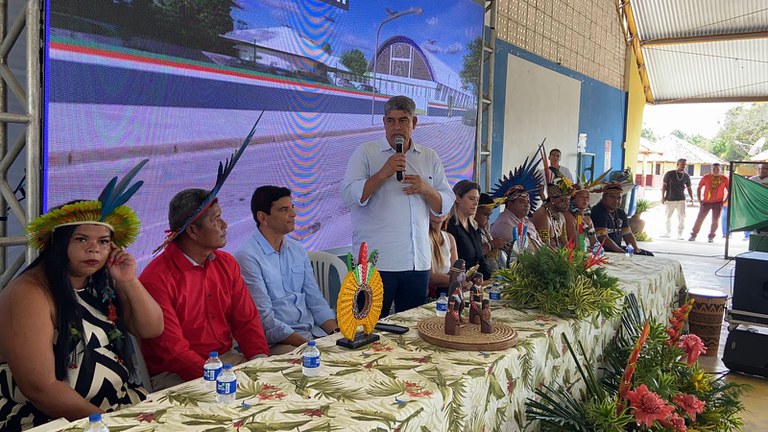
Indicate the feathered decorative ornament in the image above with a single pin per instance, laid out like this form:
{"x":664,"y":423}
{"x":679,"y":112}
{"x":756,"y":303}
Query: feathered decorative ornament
{"x":525,"y":178}
{"x":362,"y":281}
{"x":110,"y":210}
{"x":224,"y":170}
{"x":587,"y":186}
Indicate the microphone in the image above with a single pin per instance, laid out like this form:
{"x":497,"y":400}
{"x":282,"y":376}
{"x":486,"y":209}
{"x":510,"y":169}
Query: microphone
{"x":399,"y":141}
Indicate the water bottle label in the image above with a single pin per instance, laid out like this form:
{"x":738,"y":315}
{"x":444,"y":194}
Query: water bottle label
{"x":495,"y":295}
{"x":442,"y":306}
{"x":226,"y":387}
{"x":211,"y":374}
{"x":311,"y":362}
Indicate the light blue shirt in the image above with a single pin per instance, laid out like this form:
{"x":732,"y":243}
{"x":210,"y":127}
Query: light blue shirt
{"x":284,"y":288}
{"x":394,"y":223}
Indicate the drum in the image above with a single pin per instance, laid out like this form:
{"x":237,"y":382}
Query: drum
{"x":706,"y":317}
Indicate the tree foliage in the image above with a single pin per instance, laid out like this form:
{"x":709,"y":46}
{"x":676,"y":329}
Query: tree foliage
{"x":648,"y":134}
{"x":355,"y":61}
{"x":192,"y":23}
{"x":470,"y":73}
{"x":743,"y":126}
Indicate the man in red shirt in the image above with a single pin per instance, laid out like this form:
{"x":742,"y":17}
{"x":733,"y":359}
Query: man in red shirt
{"x":204,"y":299}
{"x":714,"y":185}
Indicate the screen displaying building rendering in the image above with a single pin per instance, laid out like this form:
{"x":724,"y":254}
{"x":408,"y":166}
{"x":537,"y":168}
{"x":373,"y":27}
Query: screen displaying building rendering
{"x":182,"y":83}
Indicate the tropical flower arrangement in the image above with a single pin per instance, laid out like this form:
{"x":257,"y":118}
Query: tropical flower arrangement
{"x":567,"y":282}
{"x":651,"y":382}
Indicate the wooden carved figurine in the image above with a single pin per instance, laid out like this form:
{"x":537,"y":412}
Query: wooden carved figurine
{"x":455,"y":290}
{"x":486,"y":324}
{"x":457,"y":272}
{"x":477,"y":280}
{"x":474,"y":306}
{"x":452,"y":319}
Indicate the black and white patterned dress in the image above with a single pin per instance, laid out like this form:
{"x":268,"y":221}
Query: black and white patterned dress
{"x":99,"y":377}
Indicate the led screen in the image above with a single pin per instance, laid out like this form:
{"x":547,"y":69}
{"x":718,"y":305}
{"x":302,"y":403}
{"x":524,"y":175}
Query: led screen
{"x":182,"y":82}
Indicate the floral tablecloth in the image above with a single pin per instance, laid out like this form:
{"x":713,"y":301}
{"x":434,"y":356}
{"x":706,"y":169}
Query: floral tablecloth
{"x":402,"y":383}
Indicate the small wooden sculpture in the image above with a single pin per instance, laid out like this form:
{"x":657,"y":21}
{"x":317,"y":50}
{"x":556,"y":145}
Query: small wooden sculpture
{"x":457,"y":272}
{"x":486,"y":324}
{"x":458,"y":294}
{"x":474,"y":305}
{"x":452,"y":318}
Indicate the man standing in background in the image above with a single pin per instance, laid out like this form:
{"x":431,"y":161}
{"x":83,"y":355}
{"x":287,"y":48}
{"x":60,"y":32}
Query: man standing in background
{"x":554,"y":165}
{"x":762,"y":174}
{"x":673,"y":196}
{"x":714,"y":185}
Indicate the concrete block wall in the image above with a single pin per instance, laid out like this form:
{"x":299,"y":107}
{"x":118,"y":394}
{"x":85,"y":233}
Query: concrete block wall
{"x":582,"y":35}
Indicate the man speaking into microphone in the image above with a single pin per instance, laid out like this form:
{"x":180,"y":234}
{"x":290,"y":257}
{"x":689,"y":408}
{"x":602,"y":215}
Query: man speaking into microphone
{"x":391,"y":186}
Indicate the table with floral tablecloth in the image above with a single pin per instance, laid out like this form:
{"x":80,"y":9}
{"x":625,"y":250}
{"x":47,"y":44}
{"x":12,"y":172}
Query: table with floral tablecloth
{"x":403,"y":383}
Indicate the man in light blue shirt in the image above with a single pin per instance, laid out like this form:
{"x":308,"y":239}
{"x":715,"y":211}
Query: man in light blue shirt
{"x":278,"y":274}
{"x":393,"y":216}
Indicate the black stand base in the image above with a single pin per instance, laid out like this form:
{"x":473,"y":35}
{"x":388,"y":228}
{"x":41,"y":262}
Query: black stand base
{"x":361,"y":339}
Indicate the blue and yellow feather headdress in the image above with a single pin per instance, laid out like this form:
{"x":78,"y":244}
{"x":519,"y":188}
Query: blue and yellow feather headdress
{"x":109,"y":210}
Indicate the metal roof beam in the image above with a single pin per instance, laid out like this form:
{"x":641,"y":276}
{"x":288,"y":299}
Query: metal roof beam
{"x":711,"y":100}
{"x":704,"y":38}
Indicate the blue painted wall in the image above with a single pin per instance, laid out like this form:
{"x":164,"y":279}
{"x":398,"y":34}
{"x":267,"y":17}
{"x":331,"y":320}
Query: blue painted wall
{"x":602,"y":111}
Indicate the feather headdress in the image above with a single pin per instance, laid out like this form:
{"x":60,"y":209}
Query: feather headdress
{"x":524,"y":179}
{"x":110,"y":210}
{"x":224,"y":170}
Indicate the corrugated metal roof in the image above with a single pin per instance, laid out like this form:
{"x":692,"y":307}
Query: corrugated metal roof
{"x":673,"y":148}
{"x":703,"y":50}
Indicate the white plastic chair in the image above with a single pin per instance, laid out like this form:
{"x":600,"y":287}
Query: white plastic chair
{"x":322,"y":263}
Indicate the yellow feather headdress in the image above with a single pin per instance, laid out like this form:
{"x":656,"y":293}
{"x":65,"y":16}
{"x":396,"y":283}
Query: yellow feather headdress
{"x":109,"y":211}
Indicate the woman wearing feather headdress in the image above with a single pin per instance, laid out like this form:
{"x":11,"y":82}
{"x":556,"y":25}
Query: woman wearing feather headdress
{"x":64,"y":348}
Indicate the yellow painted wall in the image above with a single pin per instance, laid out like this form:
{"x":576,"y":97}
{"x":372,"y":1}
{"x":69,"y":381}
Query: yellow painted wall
{"x":635,"y":107}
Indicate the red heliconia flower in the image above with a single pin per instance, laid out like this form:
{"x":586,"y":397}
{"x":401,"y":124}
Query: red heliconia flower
{"x":675,"y":422}
{"x":626,"y":379}
{"x":690,"y":404}
{"x":693,"y":347}
{"x":313,"y":413}
{"x":648,"y":406}
{"x":677,"y":321}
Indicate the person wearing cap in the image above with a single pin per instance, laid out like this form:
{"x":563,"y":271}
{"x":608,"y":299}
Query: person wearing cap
{"x":491,"y":245}
{"x":64,"y":321}
{"x":715,"y":186}
{"x":673,"y":196}
{"x":392,"y":216}
{"x":463,"y":227}
{"x":204,"y":299}
{"x":611,"y":223}
{"x":516,"y":208}
{"x":549,"y":219}
{"x":279,"y":276}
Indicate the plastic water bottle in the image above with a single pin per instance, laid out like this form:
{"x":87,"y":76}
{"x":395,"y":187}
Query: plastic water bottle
{"x":226,"y":385}
{"x":310,"y":360}
{"x":495,"y":294}
{"x":211,"y":370}
{"x":442,"y":305}
{"x":629,"y":251}
{"x":95,"y":424}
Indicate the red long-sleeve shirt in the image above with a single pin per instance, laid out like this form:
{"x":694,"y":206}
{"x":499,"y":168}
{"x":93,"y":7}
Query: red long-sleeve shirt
{"x":203,"y":308}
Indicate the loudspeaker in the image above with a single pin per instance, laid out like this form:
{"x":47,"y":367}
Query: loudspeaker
{"x":750,"y":285}
{"x":747,"y":351}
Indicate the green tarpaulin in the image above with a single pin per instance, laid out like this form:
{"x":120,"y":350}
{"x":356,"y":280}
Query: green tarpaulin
{"x":749,"y":205}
